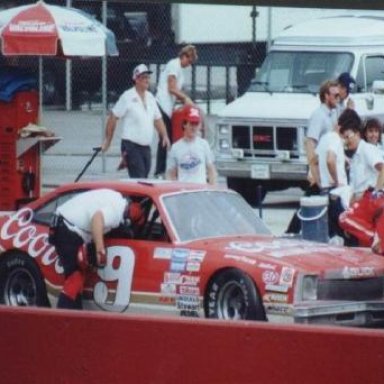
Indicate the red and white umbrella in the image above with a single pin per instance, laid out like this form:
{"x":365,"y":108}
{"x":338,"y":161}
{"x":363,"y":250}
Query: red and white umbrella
{"x":50,"y":30}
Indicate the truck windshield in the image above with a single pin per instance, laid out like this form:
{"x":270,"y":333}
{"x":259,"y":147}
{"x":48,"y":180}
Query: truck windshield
{"x":299,"y":72}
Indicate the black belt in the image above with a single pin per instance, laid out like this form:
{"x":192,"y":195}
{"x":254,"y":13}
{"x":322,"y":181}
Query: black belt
{"x":135,"y":144}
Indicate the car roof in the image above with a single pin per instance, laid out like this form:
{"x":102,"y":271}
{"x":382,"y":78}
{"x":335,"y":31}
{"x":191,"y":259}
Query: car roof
{"x":151,"y":187}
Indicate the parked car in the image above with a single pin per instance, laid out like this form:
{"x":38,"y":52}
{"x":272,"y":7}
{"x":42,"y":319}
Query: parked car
{"x":202,"y":251}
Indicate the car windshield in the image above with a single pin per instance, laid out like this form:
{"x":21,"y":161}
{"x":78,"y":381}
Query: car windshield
{"x":204,"y":214}
{"x":299,"y":72}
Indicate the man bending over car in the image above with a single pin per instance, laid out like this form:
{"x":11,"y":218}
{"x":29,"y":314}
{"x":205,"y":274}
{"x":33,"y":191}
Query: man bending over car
{"x":81,"y":219}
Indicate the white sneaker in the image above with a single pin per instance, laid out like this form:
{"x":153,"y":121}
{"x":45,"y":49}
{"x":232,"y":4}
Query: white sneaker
{"x":336,"y":240}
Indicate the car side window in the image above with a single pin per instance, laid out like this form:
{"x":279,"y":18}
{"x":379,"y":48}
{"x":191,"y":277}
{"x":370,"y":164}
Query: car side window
{"x":151,"y":228}
{"x":43,"y":214}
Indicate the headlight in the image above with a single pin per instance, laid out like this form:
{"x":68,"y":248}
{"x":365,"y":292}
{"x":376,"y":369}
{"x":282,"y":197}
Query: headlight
{"x":223,"y":129}
{"x":224,"y":144}
{"x":309,"y":288}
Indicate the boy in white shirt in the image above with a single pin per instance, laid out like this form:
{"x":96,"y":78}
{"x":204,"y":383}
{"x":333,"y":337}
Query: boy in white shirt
{"x":190,"y":158}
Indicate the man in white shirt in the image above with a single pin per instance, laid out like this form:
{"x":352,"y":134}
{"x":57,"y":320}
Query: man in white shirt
{"x":81,"y":219}
{"x":322,"y":120}
{"x":139,"y":114}
{"x":346,"y":85}
{"x":364,"y":219}
{"x":332,"y":162}
{"x":190,"y":158}
{"x":169,"y":91}
{"x":367,"y":165}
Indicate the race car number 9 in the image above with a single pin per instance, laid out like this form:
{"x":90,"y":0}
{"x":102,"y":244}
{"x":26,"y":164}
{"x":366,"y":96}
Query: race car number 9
{"x":118,"y":271}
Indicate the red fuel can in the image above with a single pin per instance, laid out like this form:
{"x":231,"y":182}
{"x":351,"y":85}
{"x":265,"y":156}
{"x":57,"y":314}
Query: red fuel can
{"x":177,"y":121}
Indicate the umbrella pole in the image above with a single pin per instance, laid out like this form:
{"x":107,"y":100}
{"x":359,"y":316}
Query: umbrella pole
{"x":40,"y":119}
{"x":104,"y":89}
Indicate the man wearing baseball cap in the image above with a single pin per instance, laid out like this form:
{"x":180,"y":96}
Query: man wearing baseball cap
{"x":190,"y":158}
{"x":346,"y":85}
{"x":139,"y":114}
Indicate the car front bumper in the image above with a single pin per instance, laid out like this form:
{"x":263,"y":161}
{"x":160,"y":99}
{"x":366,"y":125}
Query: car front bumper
{"x":360,"y":314}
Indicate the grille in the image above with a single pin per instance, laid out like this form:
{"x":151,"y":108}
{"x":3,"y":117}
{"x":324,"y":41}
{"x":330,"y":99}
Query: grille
{"x":287,"y":138}
{"x":265,"y":141}
{"x":364,"y":289}
{"x":241,"y":137}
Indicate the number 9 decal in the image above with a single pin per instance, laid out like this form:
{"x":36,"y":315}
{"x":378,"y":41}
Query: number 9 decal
{"x":118,"y":271}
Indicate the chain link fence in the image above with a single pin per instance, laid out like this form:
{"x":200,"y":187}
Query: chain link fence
{"x":145,"y":33}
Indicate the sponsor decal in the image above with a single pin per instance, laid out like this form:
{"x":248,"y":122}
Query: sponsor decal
{"x":266,"y":266}
{"x":177,"y":266}
{"x":276,"y":288}
{"x":162,"y":253}
{"x":180,"y":254}
{"x":276,"y":297}
{"x":193,"y":267}
{"x":32,"y":26}
{"x":355,"y":272}
{"x":197,"y":256}
{"x":189,"y":280}
{"x":187,"y":302}
{"x":188,"y":290}
{"x":24,"y":235}
{"x":270,"y":277}
{"x":242,"y":259}
{"x":281,"y":309}
{"x":286,"y":277}
{"x":178,"y":259}
{"x":275,"y":248}
{"x":172,"y":277}
{"x":168,"y":289}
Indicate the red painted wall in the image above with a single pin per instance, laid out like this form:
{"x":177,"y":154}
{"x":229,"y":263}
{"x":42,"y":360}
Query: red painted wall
{"x":53,"y":346}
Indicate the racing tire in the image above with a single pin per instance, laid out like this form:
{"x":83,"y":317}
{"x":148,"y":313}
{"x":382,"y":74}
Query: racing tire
{"x":248,"y":189}
{"x":232,"y":295}
{"x":21,"y":282}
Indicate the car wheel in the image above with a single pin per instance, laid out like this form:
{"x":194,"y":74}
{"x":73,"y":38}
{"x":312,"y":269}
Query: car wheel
{"x":248,"y":189}
{"x":232,"y":295}
{"x":21,"y":283}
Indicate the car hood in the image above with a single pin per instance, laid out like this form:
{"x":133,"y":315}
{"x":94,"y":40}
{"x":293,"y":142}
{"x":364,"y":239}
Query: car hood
{"x":276,"y":106}
{"x":299,"y":254}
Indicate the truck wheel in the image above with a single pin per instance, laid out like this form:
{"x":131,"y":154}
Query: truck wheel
{"x":232,"y":295}
{"x":21,"y":283}
{"x":248,"y":189}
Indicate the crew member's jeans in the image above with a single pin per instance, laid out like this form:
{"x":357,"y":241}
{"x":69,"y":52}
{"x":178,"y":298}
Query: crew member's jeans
{"x":161,"y":156}
{"x":137,"y":157}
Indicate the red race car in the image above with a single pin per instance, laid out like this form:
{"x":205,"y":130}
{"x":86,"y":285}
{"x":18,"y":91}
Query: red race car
{"x":202,"y":251}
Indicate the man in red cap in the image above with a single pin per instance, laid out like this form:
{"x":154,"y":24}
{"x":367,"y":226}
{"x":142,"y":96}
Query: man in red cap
{"x":190,"y":158}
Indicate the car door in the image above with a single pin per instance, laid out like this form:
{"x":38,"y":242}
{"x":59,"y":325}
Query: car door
{"x":138,"y":256}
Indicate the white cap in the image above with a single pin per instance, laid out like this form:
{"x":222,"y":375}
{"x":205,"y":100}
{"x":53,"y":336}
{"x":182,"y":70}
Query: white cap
{"x":140,"y":70}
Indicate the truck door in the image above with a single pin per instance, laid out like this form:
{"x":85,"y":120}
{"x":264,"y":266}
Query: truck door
{"x":371,"y":69}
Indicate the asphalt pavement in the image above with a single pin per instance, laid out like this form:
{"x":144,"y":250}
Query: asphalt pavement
{"x":81,"y":131}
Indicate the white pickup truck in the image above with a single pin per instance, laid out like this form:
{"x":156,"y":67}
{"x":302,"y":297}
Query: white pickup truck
{"x":260,"y":136}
